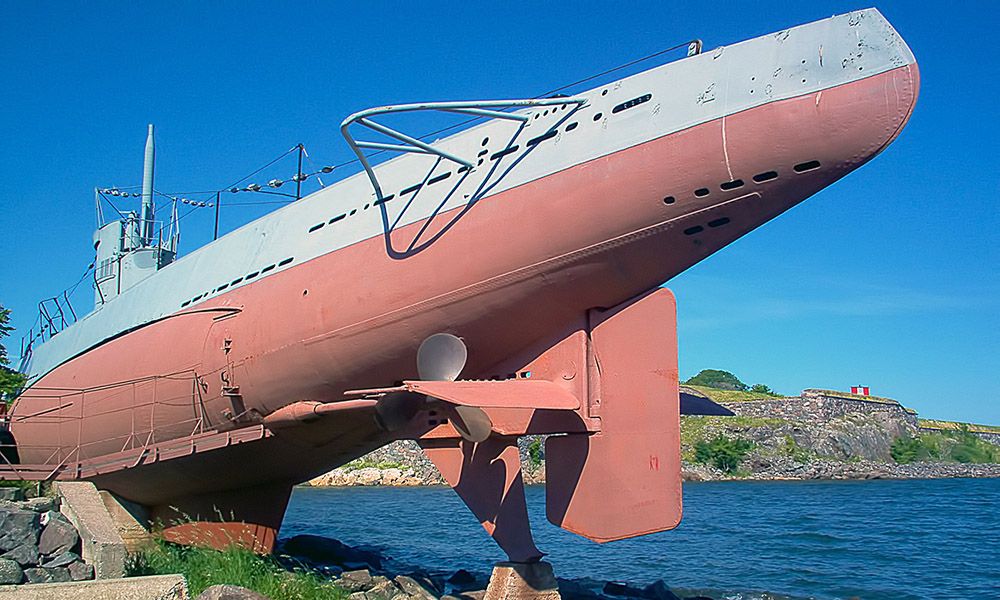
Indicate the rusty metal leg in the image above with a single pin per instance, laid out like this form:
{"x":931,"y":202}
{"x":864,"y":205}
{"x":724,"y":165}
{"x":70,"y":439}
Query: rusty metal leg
{"x":247,"y":517}
{"x":487,"y":476}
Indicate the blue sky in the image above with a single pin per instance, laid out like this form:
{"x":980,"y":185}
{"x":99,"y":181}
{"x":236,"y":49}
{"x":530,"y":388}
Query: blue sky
{"x":888,"y":278}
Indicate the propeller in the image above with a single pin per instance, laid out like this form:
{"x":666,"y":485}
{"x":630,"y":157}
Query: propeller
{"x":441,"y":357}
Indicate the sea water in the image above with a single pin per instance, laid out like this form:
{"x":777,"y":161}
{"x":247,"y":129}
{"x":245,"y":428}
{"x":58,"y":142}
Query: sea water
{"x":826,"y":539}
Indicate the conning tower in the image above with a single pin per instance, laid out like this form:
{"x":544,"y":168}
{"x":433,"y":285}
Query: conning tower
{"x":133,"y":248}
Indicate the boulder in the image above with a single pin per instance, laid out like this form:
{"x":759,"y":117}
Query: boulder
{"x":11,"y":494}
{"x":383,"y":589}
{"x":42,"y":575}
{"x":572,"y":590}
{"x":80,"y":571}
{"x":25,"y":555}
{"x":321,"y":550}
{"x":57,"y":536}
{"x":658,"y":590}
{"x":18,"y":527}
{"x":59,"y":574}
{"x":368,"y":476}
{"x":612,"y":588}
{"x":62,"y":560}
{"x":42,"y":504}
{"x":419,"y":590}
{"x":229,"y":592}
{"x":10,"y":572}
{"x":355,"y":581}
{"x":463,"y":580}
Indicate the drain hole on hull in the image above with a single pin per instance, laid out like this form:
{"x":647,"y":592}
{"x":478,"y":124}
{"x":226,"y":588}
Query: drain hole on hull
{"x":284,"y":262}
{"x":410,"y":189}
{"x":440,"y":177}
{"x":598,"y":116}
{"x":718,"y":222}
{"x":694,"y":230}
{"x":335,"y":219}
{"x":545,"y":136}
{"x":631,"y":103}
{"x":505,"y":152}
{"x":765,"y":176}
{"x":316,"y":227}
{"x":384,"y":199}
{"x":732,"y":185}
{"x":701,"y":192}
{"x":572,"y":126}
{"x":669,"y":200}
{"x":806,"y":166}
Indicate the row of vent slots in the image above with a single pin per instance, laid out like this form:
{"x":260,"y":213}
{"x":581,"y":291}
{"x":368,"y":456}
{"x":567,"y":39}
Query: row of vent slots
{"x":246,"y":277}
{"x":758,"y":178}
{"x":548,"y":135}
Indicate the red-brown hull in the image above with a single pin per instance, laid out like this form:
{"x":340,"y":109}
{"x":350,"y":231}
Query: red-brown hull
{"x":514,"y":269}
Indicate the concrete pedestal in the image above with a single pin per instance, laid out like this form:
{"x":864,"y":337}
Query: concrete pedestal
{"x":522,"y":581}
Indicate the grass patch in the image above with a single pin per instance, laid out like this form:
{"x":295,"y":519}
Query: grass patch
{"x":957,"y":426}
{"x":204,"y":567}
{"x":364,"y":463}
{"x":717,"y":395}
{"x":27,"y":486}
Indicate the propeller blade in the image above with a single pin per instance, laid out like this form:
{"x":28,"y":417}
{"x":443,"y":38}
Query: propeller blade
{"x":441,"y":357}
{"x":394,"y":411}
{"x":472,"y":423}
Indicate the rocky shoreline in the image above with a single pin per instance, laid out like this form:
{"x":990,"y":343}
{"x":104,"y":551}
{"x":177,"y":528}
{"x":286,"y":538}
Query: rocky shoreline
{"x":402,"y":464}
{"x":366,"y":574}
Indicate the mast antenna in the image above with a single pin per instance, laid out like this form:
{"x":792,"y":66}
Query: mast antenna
{"x":148,"y":205}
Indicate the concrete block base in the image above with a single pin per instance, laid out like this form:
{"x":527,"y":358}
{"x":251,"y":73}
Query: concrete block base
{"x":102,"y":546}
{"x":156,"y":587}
{"x":522,"y":581}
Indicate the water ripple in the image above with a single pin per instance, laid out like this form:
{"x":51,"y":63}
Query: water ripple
{"x":875,"y":539}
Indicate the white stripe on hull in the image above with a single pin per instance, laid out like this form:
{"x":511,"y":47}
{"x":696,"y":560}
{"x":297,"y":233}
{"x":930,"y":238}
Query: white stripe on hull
{"x":695,"y":90}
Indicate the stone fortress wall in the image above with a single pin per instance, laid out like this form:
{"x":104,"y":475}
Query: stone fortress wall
{"x":816,"y":405}
{"x":819,"y":405}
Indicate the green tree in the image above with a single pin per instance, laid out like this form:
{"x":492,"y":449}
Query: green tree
{"x":722,"y":380}
{"x":724,"y":453}
{"x":760,"y":388}
{"x":10,"y":380}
